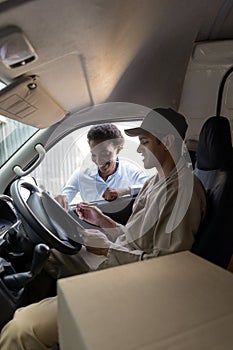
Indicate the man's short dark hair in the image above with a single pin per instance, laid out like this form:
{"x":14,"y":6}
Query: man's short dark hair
{"x":105,"y":132}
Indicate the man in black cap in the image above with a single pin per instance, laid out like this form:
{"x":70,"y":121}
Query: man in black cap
{"x":165,"y":218}
{"x":168,"y":210}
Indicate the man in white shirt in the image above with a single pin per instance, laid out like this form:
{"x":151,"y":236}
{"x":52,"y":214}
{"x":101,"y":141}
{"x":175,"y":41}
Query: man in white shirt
{"x":109,"y":177}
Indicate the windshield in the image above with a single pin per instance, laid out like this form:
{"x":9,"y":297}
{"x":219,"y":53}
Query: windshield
{"x":12,"y":135}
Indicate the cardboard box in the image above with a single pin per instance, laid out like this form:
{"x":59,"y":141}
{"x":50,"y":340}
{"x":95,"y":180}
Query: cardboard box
{"x":177,"y":302}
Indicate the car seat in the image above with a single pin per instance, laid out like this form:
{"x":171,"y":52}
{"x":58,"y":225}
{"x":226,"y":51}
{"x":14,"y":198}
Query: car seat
{"x":214,"y":168}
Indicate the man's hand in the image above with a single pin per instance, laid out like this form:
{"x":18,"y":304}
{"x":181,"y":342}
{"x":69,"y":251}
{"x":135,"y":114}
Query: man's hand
{"x":89,"y":213}
{"x":62,"y":200}
{"x":94,"y":215}
{"x":112,"y":193}
{"x":96,"y":242}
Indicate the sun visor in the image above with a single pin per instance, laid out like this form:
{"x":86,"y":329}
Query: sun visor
{"x":28,"y":102}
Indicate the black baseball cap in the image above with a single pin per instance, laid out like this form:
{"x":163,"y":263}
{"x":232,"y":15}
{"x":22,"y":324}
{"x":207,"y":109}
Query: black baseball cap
{"x":161,"y":121}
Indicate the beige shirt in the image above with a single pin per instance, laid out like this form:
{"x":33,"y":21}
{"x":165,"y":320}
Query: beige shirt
{"x":165,"y":218}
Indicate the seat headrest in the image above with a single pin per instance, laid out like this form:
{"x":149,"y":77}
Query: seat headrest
{"x":214,"y":150}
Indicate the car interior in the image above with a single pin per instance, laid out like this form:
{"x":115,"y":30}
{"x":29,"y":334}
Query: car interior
{"x":71,"y":64}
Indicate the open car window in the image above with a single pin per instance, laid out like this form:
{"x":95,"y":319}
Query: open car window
{"x":13,"y":135}
{"x":72,"y":153}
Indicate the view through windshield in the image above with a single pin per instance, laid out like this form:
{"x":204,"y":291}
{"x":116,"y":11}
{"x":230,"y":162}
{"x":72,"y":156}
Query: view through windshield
{"x":12,"y":135}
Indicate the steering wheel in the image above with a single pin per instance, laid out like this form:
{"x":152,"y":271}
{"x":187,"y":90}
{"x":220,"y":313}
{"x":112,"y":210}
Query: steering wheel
{"x":45,"y":219}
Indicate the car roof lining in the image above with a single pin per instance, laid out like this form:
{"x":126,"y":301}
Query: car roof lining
{"x":90,"y":52}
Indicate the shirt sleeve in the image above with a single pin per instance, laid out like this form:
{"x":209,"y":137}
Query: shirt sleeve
{"x":119,"y":254}
{"x":156,"y":239}
{"x":137,"y":176}
{"x":72,"y":186}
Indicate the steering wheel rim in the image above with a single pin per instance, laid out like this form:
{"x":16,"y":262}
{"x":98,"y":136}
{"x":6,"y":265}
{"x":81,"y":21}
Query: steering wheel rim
{"x":39,"y":210}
